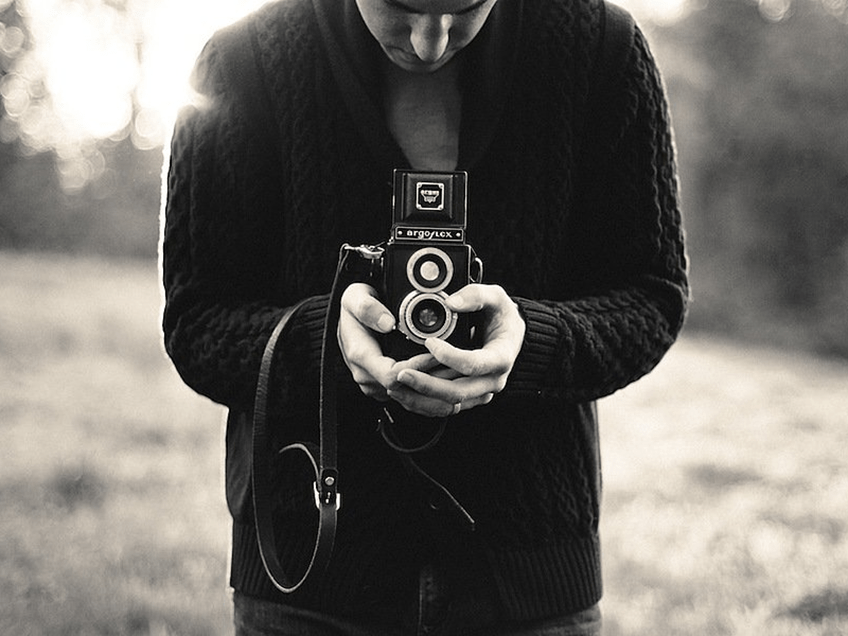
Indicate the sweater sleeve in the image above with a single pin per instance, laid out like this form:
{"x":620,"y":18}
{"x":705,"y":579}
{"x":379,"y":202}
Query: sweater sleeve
{"x":631,"y":303}
{"x":221,"y":254}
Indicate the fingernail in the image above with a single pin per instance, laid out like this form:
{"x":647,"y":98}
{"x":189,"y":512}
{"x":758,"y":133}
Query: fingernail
{"x":457,"y":302}
{"x":385,"y":323}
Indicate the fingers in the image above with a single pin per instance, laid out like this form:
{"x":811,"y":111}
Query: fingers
{"x":465,"y":390}
{"x":495,"y":358}
{"x":372,"y":381}
{"x":421,"y":404}
{"x":476,"y":297}
{"x":361,"y":302}
{"x":362,"y":315}
{"x":424,"y":362}
{"x":503,"y":329}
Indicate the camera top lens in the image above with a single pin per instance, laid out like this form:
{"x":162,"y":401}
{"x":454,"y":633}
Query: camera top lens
{"x":429,"y":269}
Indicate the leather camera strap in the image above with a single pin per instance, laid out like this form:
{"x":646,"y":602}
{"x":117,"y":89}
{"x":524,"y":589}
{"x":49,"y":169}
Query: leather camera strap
{"x":322,"y":457}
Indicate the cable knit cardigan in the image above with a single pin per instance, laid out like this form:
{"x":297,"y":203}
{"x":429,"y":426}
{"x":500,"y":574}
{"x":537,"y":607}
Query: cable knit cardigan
{"x":573,"y":208}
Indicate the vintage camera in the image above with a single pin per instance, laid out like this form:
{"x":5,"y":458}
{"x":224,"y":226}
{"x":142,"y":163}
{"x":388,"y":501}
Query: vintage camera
{"x":426,"y":259}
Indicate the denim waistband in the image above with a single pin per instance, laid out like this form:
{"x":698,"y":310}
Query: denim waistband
{"x":442,"y":608}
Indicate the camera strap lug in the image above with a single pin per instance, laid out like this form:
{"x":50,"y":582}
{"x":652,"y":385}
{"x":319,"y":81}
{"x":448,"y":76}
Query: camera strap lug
{"x":368,"y":265}
{"x":476,"y":272}
{"x":368,"y":252}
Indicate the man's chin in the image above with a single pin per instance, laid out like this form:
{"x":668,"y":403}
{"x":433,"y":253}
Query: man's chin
{"x":415,"y":65}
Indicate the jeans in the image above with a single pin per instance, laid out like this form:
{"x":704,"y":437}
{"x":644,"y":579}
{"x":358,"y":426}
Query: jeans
{"x":436,"y":613}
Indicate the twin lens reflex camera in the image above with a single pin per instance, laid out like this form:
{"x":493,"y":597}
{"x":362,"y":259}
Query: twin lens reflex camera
{"x":425,"y":260}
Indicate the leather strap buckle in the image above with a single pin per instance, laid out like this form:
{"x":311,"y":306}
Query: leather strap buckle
{"x":328,"y":494}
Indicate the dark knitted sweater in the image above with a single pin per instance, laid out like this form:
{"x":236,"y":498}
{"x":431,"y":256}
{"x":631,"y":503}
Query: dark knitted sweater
{"x":573,"y":209}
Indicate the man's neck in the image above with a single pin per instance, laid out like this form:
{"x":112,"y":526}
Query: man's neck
{"x":423,"y":113}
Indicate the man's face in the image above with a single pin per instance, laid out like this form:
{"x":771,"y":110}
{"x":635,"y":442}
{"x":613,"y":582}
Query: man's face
{"x":421,"y":36}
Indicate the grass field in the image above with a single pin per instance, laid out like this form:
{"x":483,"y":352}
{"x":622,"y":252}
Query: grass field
{"x":726,"y":505}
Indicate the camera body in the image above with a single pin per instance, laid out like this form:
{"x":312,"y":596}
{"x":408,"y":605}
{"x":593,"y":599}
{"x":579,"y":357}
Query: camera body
{"x":426,"y":259}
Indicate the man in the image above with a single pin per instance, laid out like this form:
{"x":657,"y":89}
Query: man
{"x":573,"y":210}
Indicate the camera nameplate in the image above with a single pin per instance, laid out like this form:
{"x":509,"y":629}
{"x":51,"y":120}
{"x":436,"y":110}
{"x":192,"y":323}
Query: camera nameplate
{"x":436,"y":234}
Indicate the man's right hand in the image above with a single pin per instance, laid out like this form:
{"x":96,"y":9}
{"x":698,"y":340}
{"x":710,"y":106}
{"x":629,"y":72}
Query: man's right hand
{"x":362,"y":317}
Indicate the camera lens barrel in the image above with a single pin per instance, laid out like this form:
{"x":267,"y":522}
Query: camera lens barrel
{"x":425,"y":315}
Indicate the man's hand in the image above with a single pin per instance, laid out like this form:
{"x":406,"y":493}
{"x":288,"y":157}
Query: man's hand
{"x":465,"y":379}
{"x":447,"y":379}
{"x":362,"y":315}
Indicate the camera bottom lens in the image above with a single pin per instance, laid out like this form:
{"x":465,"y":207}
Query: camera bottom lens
{"x":429,"y":316}
{"x":425,"y":315}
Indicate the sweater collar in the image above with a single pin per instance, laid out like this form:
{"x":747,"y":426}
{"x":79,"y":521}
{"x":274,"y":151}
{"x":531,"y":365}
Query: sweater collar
{"x":487,"y":74}
{"x":354,"y":57}
{"x":488,"y":64}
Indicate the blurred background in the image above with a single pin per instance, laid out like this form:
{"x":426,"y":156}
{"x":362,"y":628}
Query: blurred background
{"x":758,"y":92}
{"x":725,"y":477}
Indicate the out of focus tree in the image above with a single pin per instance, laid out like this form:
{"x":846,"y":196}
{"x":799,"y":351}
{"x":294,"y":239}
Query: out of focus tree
{"x":86,"y":96}
{"x":760,"y":98}
{"x":13,"y":37}
{"x":75,"y":172}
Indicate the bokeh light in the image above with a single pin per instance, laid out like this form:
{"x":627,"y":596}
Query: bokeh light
{"x":76,"y":72}
{"x":775,"y":10}
{"x":173,"y":32}
{"x":657,"y":11}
